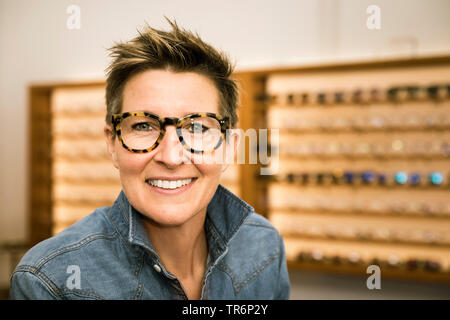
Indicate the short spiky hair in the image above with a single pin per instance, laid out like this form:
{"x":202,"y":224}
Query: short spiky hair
{"x":178,"y":51}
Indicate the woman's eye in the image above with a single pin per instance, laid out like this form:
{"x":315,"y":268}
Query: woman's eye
{"x":143,"y":126}
{"x":198,"y":127}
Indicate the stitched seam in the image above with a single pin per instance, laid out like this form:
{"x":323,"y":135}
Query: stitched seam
{"x":216,"y":234}
{"x":256,"y":272}
{"x":132,"y":225}
{"x":235,"y":200}
{"x":236,"y":228}
{"x":239,"y":285}
{"x":53,"y":287}
{"x":206,"y":288}
{"x":224,"y":268}
{"x":74,"y":246}
{"x":234,"y":203}
{"x":42,"y":277}
{"x":258,"y":225}
{"x":241,"y":222}
{"x":138,"y":294}
{"x":123,"y":209}
{"x":83,"y":293}
{"x":117,"y":229}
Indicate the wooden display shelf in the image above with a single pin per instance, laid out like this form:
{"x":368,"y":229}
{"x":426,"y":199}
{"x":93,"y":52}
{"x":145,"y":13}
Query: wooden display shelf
{"x":362,"y":240}
{"x":374,"y":186}
{"x":318,"y":211}
{"x":382,"y":74}
{"x":253,"y":114}
{"x":40,"y":202}
{"x":361,"y":271}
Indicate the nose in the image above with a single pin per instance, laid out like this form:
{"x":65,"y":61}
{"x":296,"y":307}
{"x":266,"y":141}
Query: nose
{"x":170,"y":152}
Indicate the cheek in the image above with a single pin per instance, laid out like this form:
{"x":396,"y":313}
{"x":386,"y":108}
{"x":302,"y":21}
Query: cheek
{"x":131,"y":164}
{"x":210,"y":172}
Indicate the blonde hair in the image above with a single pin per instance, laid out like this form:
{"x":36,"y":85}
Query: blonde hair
{"x":179,"y":51}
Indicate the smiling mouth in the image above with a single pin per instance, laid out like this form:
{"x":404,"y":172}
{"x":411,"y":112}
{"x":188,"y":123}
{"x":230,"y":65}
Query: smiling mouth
{"x":169,"y":184}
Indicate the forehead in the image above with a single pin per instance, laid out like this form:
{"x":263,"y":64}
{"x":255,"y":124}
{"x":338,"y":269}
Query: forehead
{"x":170,"y":94}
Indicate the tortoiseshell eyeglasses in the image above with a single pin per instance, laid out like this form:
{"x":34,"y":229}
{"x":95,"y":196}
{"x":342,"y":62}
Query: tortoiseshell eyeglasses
{"x":142,"y":131}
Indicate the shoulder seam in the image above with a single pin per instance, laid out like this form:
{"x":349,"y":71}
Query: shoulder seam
{"x":256,"y":224}
{"x":238,"y":286}
{"x":40,"y":276}
{"x":266,"y":223}
{"x":79,"y":244}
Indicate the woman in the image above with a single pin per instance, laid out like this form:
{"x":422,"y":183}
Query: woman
{"x":174,"y":232}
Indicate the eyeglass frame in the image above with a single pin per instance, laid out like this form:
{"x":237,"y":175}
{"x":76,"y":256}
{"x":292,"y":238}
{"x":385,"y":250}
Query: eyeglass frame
{"x":163,"y":122}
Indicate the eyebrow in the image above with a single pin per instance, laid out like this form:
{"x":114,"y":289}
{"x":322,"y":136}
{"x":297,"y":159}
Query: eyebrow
{"x":184,"y":115}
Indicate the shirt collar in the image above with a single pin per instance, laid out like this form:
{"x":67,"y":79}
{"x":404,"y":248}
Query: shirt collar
{"x":225,"y":214}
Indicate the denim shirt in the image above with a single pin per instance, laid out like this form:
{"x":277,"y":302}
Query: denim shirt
{"x":108,"y":255}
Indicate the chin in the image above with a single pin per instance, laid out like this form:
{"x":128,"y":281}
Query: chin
{"x":168,"y":218}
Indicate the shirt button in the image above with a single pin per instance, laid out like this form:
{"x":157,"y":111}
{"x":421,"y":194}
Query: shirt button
{"x":157,"y":268}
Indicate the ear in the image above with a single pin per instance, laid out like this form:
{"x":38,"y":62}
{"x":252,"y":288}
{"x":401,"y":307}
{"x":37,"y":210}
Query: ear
{"x":111,"y":144}
{"x":233,"y":139}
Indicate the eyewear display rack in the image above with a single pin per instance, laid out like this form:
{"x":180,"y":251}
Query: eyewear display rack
{"x":363,"y":164}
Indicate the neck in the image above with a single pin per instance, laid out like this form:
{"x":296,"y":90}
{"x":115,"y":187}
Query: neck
{"x":183,"y":248}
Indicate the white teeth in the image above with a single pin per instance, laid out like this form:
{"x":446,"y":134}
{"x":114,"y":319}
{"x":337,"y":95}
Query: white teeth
{"x":166,"y":184}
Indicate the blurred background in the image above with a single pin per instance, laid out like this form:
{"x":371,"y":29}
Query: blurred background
{"x":359,"y":91}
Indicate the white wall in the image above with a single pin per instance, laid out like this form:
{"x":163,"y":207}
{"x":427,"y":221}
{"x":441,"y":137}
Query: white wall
{"x":36,"y":46}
